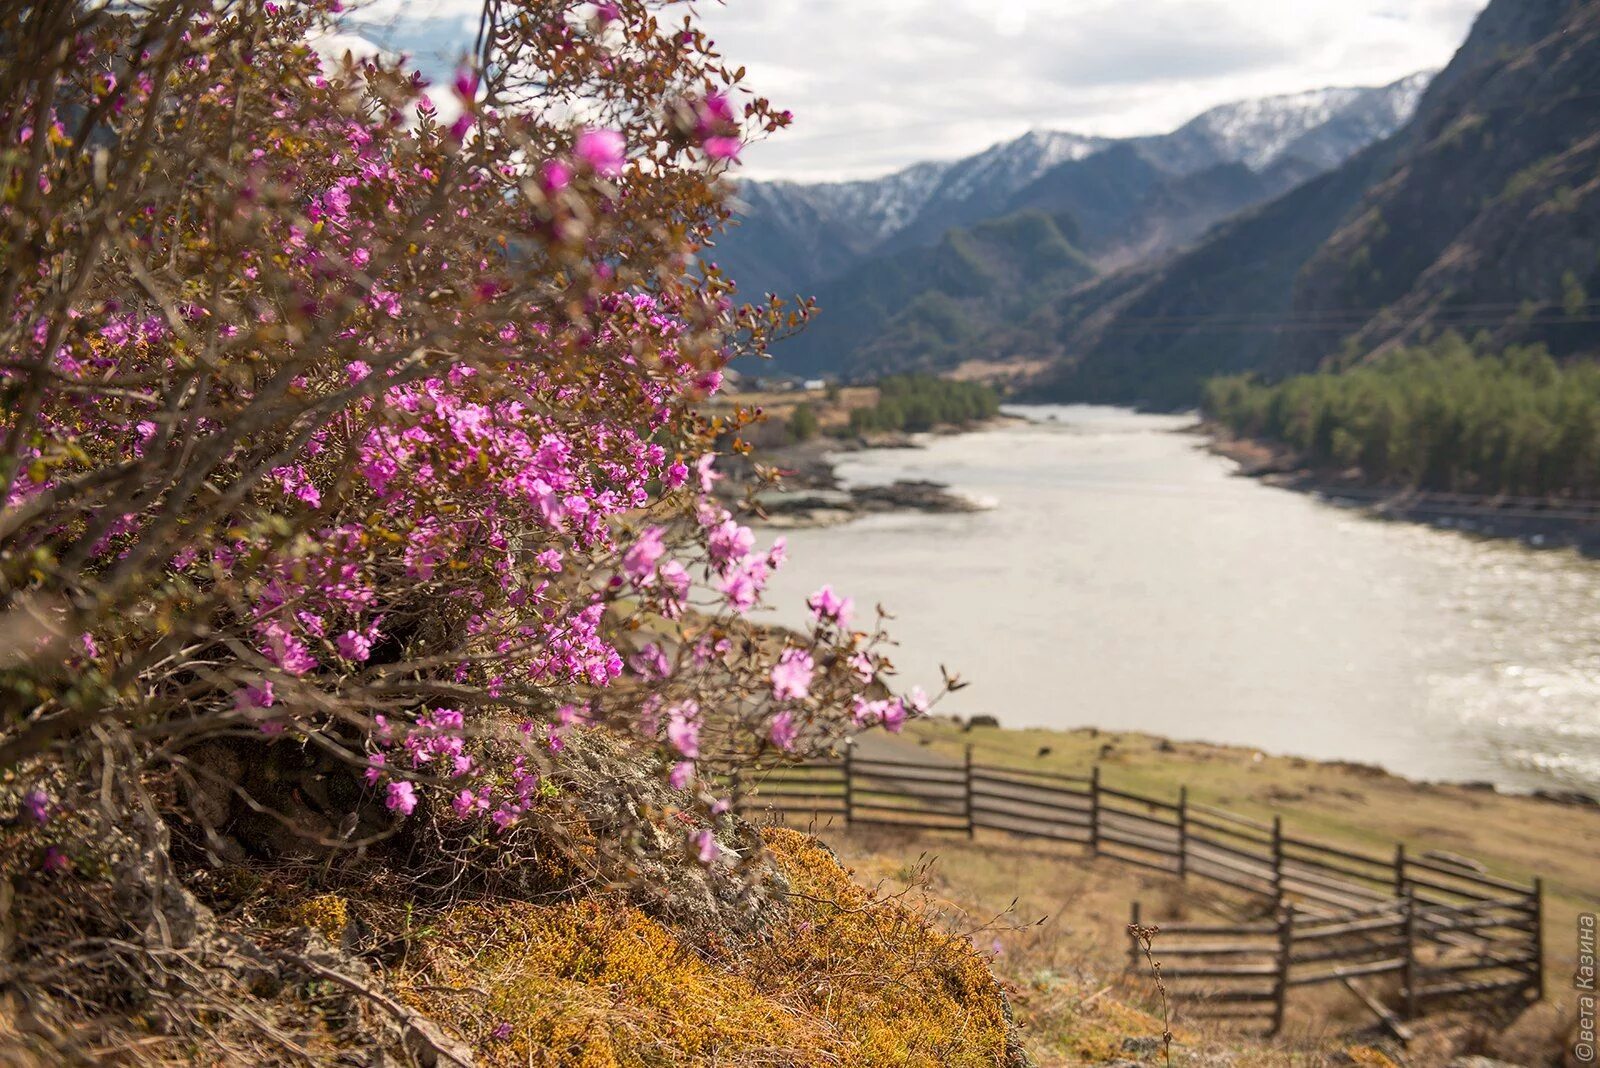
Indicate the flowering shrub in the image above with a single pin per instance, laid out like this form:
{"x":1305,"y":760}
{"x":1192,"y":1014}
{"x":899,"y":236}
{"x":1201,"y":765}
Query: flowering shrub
{"x":338,"y":423}
{"x":327,"y":420}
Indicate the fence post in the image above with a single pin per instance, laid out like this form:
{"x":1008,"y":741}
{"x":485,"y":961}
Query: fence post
{"x":1280,"y":992}
{"x":1277,"y":858}
{"x":1408,"y":974}
{"x":849,"y":751}
{"x":1183,"y":832}
{"x":970,"y":830}
{"x":1400,"y":870}
{"x":1538,"y":939}
{"x":736,"y":788}
{"x":1133,"y":939}
{"x":1094,"y":811}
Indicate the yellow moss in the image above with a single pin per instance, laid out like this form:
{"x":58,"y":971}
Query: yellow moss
{"x":327,"y":913}
{"x":892,"y":989}
{"x":592,"y":984}
{"x":839,"y":978}
{"x":1368,"y":1056}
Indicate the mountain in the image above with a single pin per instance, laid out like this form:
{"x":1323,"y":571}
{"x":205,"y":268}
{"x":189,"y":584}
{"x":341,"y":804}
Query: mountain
{"x":792,"y":237}
{"x":976,"y":294}
{"x":1481,"y":213}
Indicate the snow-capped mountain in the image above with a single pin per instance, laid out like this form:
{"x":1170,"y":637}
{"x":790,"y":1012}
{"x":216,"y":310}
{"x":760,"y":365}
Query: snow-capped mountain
{"x":796,"y":235}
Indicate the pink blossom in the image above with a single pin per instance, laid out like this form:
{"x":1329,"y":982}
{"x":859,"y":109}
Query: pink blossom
{"x":729,"y":543}
{"x":681,"y":775}
{"x":703,"y":469}
{"x":556,"y":176}
{"x":705,"y":847}
{"x":353,"y":645}
{"x":601,"y":149}
{"x":791,"y":675}
{"x":376,"y":764}
{"x":862,"y":668}
{"x":827,"y":606}
{"x":90,"y":649}
{"x":253,"y":698}
{"x":683,"y":729}
{"x":36,"y":803}
{"x":893,"y":716}
{"x":401,"y":798}
{"x":783,"y":731}
{"x":639,"y":562}
{"x":607,"y":12}
{"x":721,"y":147}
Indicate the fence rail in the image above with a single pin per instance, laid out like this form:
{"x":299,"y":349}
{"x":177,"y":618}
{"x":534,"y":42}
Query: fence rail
{"x":1443,"y":926}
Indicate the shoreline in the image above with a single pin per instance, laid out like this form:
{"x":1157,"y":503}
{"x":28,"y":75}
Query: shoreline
{"x":812,"y":495}
{"x":1543,"y":524}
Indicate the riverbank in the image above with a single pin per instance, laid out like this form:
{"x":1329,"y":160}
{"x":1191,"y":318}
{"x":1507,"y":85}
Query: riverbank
{"x":812,"y":495}
{"x":1539,"y":524}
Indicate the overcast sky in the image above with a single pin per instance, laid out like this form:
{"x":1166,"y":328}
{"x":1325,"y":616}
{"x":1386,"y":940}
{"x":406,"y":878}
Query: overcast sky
{"x":877,"y":84}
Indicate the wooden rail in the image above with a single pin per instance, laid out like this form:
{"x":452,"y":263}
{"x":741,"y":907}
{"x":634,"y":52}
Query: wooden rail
{"x":1442,"y":924}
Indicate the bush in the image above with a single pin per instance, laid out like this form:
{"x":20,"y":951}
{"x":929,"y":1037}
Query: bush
{"x":803,"y":425}
{"x":350,"y":464}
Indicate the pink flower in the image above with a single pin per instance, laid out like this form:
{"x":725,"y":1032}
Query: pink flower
{"x":353,"y":645}
{"x":708,"y":477}
{"x":556,"y":177}
{"x":861,"y":668}
{"x":682,"y":774}
{"x":253,"y":698}
{"x":791,"y":675}
{"x":894,"y":716}
{"x":783,"y":731}
{"x":501,"y":1032}
{"x":706,"y":847}
{"x":778,"y":554}
{"x":827,"y":606}
{"x":721,"y":147}
{"x":917,"y":701}
{"x":90,"y":649}
{"x":601,"y":149}
{"x":607,"y":12}
{"x":639,"y":562}
{"x":36,"y":803}
{"x":402,"y":798}
{"x":375,"y":771}
{"x":683,"y":729}
{"x":729,"y":543}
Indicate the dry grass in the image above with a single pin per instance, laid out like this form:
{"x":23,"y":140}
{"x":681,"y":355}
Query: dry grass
{"x":1361,"y":807}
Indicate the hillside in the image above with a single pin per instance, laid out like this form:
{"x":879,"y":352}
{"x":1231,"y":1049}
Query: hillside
{"x":1481,"y":214}
{"x":974,"y":295}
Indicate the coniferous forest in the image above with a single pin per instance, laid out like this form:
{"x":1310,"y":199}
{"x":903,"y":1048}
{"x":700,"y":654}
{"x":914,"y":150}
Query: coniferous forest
{"x":1451,"y":415}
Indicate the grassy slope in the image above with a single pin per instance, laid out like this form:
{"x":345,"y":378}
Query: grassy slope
{"x":1516,"y":837}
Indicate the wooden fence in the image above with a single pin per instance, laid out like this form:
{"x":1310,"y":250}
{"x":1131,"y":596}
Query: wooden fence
{"x":1439,"y":925}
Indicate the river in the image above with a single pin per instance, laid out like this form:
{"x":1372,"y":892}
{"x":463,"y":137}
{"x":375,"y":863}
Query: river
{"x":1125,"y":578}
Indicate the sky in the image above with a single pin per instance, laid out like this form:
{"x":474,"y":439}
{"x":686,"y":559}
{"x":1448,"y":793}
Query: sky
{"x":876,"y":85}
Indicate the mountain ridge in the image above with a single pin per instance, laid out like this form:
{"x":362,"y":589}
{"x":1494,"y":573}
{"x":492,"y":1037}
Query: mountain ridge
{"x":792,"y":236}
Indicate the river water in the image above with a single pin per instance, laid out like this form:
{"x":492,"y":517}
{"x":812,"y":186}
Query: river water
{"x":1125,"y":578}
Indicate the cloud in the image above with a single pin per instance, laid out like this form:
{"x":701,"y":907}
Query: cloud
{"x":878,"y":84}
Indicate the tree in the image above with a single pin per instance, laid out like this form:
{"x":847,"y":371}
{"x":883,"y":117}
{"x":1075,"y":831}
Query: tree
{"x":803,"y":425}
